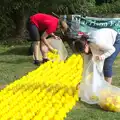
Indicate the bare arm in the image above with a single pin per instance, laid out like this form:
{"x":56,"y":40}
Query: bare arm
{"x":55,"y":36}
{"x":43,"y":38}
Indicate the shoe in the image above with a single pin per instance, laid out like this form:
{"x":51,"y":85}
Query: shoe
{"x":45,"y":60}
{"x":37,"y":62}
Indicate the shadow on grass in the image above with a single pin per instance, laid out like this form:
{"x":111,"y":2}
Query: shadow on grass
{"x":80,"y":104}
{"x":95,"y":106}
{"x":18,"y":51}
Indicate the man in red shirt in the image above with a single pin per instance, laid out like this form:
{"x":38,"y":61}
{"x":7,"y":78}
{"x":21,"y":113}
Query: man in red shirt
{"x":40,"y":26}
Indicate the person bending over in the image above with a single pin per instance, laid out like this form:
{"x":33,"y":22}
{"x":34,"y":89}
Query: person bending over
{"x":104,"y":44}
{"x":40,"y":26}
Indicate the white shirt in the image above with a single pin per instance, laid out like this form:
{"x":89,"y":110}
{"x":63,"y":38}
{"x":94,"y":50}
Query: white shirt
{"x":102,"y":42}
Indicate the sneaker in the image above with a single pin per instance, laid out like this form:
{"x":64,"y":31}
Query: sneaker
{"x":45,"y":60}
{"x":37,"y":62}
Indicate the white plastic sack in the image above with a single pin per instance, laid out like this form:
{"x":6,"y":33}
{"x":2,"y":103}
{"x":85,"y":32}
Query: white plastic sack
{"x":59,"y":45}
{"x":95,"y":90}
{"x":92,"y":82}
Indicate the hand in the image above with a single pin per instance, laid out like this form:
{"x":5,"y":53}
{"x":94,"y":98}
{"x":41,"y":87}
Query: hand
{"x":100,"y":57}
{"x":56,"y":37}
{"x":55,"y":51}
{"x":51,"y":48}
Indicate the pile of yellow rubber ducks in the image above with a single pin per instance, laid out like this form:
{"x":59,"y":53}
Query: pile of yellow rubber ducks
{"x":54,"y":56}
{"x":47,"y":93}
{"x":110,"y":100}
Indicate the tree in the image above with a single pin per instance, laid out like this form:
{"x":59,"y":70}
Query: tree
{"x":18,"y":11}
{"x":70,"y":6}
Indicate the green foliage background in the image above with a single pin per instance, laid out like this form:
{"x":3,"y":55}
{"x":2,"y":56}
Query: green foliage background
{"x":14,"y":13}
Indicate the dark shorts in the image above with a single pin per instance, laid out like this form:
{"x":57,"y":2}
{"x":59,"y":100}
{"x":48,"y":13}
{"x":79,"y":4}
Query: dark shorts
{"x":110,"y":60}
{"x":34,"y":33}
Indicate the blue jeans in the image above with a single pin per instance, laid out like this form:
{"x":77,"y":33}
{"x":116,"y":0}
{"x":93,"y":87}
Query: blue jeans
{"x":110,"y":60}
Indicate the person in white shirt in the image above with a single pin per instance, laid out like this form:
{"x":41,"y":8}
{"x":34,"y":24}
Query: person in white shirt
{"x":104,"y":44}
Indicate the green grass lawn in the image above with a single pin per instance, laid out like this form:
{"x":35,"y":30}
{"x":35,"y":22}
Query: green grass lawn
{"x":15,"y":62}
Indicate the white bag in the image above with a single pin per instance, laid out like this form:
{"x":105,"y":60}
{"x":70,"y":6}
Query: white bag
{"x":59,"y":45}
{"x":92,"y":82}
{"x":95,"y":90}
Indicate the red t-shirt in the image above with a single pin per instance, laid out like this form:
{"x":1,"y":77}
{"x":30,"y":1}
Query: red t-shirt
{"x":45,"y":22}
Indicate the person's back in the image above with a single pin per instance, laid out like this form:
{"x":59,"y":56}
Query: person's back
{"x":103,"y":36}
{"x":103,"y":40}
{"x":44,"y":21}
